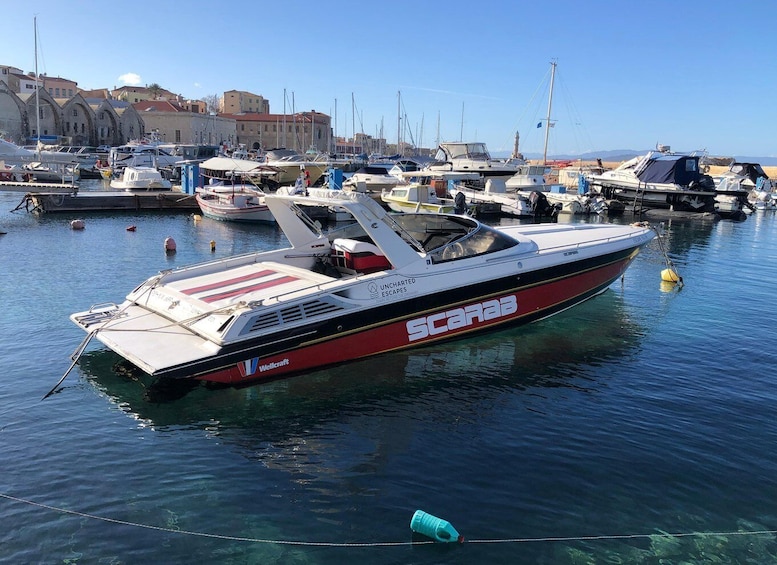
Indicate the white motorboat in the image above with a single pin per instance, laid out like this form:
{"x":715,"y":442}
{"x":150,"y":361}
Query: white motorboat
{"x":383,"y":283}
{"x":141,"y":178}
{"x":291,"y":165}
{"x":372,"y":180}
{"x":495,"y":193}
{"x":234,"y":203}
{"x":531,"y":178}
{"x":658,"y":180}
{"x":471,"y":157}
{"x":745,"y":186}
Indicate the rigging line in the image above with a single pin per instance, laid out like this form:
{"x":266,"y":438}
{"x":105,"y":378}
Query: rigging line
{"x":541,"y":88}
{"x":384,"y":544}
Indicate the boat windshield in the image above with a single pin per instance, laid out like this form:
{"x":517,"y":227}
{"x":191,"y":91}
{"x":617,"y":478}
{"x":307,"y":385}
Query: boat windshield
{"x":449,"y":238}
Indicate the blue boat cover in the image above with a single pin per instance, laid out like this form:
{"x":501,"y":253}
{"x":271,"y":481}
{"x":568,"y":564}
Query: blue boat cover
{"x":676,"y":169}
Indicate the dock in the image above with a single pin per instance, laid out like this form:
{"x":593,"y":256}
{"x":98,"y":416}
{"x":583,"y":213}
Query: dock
{"x":13,"y":186}
{"x":108,"y":201}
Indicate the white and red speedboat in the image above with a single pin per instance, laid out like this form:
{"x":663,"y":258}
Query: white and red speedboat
{"x":384,"y":283}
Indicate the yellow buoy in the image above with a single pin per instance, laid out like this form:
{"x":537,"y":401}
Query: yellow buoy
{"x":196,"y":217}
{"x":668,"y":275}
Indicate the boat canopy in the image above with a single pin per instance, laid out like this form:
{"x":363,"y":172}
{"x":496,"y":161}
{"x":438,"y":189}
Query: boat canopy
{"x":238,"y":165}
{"x":670,"y":169}
{"x":750,"y":170}
{"x":372,"y":170}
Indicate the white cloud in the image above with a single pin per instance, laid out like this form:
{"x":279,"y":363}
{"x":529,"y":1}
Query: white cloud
{"x":197,"y":85}
{"x":130,"y":79}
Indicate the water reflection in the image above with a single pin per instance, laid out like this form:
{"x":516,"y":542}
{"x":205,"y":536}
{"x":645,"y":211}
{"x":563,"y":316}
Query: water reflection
{"x":567,"y":350}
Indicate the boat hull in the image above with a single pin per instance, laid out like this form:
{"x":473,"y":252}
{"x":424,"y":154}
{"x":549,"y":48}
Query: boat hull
{"x":411,"y":323}
{"x":222,"y":212}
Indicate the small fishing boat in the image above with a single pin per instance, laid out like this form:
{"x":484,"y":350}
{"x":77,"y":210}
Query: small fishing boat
{"x":382,"y":283}
{"x":234,"y":203}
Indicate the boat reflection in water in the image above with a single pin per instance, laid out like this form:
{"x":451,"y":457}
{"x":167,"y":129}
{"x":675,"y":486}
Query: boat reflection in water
{"x":571,"y":350}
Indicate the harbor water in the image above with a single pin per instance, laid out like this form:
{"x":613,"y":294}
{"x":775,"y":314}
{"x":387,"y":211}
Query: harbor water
{"x":638,"y":427}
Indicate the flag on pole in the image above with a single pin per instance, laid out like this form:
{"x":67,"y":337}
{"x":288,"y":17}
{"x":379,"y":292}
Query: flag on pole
{"x":539,"y":124}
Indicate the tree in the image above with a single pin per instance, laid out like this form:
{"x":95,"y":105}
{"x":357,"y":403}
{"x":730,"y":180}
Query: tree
{"x":212,"y":103}
{"x":155,"y":90}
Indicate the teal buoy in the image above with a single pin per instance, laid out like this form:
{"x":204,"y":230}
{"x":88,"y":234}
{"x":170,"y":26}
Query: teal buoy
{"x":434,"y":527}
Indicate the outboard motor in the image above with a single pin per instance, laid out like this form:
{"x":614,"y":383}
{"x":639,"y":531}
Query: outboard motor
{"x":540,"y":206}
{"x":460,"y":202}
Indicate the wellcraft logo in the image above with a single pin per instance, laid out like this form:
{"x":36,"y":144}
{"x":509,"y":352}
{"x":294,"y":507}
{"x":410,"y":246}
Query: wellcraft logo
{"x":458,"y":318}
{"x":251,"y":366}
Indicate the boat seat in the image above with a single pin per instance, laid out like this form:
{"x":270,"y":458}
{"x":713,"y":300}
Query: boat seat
{"x":357,"y":257}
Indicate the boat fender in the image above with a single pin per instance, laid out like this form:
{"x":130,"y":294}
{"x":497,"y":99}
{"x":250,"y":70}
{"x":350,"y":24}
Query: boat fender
{"x":169,"y":245}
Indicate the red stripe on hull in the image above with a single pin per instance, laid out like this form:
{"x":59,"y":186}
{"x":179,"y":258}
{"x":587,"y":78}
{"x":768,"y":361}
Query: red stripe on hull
{"x":440,"y":324}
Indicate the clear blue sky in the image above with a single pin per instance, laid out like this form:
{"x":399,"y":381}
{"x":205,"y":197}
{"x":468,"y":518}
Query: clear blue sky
{"x":691,"y":74}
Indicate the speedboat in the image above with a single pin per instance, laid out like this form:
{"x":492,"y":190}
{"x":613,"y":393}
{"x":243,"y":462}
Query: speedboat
{"x":235,"y":203}
{"x":141,"y":178}
{"x":658,"y":180}
{"x":382,"y":283}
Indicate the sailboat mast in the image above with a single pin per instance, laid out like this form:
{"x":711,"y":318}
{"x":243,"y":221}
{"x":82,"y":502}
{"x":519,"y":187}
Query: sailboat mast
{"x":550,"y":104}
{"x":399,"y":120}
{"x":37,"y":88}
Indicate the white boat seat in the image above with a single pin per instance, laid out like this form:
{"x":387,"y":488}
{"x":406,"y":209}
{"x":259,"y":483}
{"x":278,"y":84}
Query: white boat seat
{"x":351,"y":256}
{"x":354,"y":246}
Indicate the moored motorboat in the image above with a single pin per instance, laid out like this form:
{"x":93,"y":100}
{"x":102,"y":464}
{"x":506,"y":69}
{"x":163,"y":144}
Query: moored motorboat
{"x":471,"y":157}
{"x":750,"y":178}
{"x":658,"y":180}
{"x":372,"y":180}
{"x":234,"y":203}
{"x":383,"y":283}
{"x":141,"y":178}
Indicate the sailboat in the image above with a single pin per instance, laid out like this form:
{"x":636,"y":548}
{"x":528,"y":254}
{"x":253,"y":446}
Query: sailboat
{"x":42,"y":169}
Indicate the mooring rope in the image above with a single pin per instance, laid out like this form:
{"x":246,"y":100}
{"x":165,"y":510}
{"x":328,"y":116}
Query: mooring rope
{"x":603,"y":537}
{"x":669,"y":264}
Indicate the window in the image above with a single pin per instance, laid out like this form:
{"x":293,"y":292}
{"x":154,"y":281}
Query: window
{"x":75,"y":112}
{"x":178,"y":136}
{"x":57,"y":92}
{"x":70,"y":92}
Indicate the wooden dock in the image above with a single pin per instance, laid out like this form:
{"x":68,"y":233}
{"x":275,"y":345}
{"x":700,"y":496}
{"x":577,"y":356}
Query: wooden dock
{"x":108,"y":201}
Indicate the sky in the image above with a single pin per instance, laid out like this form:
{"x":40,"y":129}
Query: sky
{"x":691,"y":74}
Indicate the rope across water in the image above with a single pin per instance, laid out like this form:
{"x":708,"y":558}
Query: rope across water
{"x":602,"y":537}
